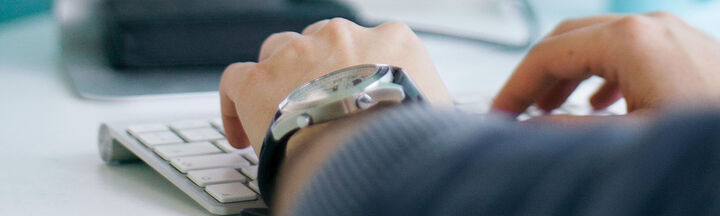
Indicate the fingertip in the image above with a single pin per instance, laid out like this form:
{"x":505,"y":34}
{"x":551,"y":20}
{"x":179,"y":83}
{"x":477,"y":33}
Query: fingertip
{"x":547,"y":105}
{"x":234,"y":132}
{"x":500,"y":106}
{"x":546,"y":108}
{"x":502,"y":112}
{"x":595,"y":103}
{"x":605,"y":96}
{"x":600,"y":104}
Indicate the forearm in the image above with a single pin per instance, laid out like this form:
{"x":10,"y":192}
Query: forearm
{"x":309,"y":149}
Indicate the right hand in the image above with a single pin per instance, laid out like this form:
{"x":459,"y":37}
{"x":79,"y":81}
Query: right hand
{"x":652,"y":60}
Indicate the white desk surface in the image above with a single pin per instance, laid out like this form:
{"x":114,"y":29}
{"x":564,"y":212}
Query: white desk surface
{"x":49,"y":158}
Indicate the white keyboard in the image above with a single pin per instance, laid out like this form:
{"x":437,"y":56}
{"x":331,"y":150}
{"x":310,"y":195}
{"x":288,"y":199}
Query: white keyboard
{"x":472,"y":103}
{"x":195,"y":157}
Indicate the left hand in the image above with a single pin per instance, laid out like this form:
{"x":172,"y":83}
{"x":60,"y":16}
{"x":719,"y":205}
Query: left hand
{"x":250,"y":92}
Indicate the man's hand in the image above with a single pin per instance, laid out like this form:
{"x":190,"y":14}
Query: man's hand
{"x":250,"y":92}
{"x":652,"y":60}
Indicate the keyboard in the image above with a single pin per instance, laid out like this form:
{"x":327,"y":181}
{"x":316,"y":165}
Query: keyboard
{"x":194,"y":155}
{"x":472,"y":103}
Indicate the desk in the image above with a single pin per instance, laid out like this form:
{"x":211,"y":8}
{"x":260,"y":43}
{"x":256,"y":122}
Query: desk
{"x":49,"y":159}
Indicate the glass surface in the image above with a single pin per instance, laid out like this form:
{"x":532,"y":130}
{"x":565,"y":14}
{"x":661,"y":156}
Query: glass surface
{"x":327,"y":85}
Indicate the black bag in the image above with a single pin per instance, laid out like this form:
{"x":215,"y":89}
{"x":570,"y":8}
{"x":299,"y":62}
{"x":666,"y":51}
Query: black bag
{"x":172,"y":33}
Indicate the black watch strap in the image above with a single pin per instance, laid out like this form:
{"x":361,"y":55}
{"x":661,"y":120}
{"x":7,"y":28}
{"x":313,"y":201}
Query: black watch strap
{"x":272,"y":155}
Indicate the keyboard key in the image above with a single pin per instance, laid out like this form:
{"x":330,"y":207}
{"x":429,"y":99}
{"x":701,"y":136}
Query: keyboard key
{"x":603,"y":113}
{"x":215,"y":176}
{"x":218,"y":123}
{"x":251,"y":158}
{"x":534,"y":111}
{"x":473,"y":103}
{"x":254,"y":186}
{"x":158,"y":138}
{"x":179,"y":125}
{"x":250,"y":171}
{"x":560,"y":111}
{"x":524,"y":117}
{"x":231,"y":192}
{"x":473,"y":108}
{"x":184,"y":164}
{"x":137,"y":129}
{"x":185,"y":149}
{"x":576,"y":109}
{"x":200,"y":134}
{"x":225,"y":146}
{"x":474,"y":98}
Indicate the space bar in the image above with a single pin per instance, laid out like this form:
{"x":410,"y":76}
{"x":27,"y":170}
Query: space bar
{"x":231,"y":160}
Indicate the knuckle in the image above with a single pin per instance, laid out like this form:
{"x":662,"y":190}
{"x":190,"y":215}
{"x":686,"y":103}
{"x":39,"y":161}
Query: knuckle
{"x":637,"y":33}
{"x":337,"y":25}
{"x":275,"y":37}
{"x":313,"y":27}
{"x":233,"y":73}
{"x":298,"y":45}
{"x":635,"y":25}
{"x":274,"y":40}
{"x":234,"y":67}
{"x":338,"y":32}
{"x":294,"y":48}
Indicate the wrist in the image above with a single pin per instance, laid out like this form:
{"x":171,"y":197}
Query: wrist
{"x":310,"y":148}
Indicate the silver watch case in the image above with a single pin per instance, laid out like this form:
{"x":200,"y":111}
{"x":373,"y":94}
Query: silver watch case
{"x":363,"y":96}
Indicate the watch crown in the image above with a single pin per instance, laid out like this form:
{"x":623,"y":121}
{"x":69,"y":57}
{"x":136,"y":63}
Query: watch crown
{"x":303,"y":121}
{"x":365,"y":101}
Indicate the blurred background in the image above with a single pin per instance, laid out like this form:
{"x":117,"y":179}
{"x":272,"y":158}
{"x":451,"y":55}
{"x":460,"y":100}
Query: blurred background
{"x":66,"y":66}
{"x":112,"y":49}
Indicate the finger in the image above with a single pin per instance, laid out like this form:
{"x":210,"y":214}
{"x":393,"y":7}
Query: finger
{"x":312,"y":28}
{"x":556,"y":95}
{"x":234,"y":131}
{"x":276,"y":41}
{"x":574,"y":55}
{"x":573,"y":24}
{"x":606,"y":95}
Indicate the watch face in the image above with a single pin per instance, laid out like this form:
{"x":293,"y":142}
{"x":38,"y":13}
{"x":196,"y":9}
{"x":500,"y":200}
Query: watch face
{"x":339,"y":81}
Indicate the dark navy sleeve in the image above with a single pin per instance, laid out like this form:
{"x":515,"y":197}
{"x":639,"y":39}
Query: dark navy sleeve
{"x":420,"y":161}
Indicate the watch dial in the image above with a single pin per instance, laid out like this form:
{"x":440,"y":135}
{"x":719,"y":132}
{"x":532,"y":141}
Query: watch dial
{"x":327,"y":85}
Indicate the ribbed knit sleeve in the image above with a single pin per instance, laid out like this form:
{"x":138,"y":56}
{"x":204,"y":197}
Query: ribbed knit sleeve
{"x":419,"y":161}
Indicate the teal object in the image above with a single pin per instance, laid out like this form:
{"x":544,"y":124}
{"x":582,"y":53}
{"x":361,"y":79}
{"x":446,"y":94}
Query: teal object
{"x":643,"y":6}
{"x":13,"y":9}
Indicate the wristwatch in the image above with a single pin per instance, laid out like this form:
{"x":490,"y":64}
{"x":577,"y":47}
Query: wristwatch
{"x":329,"y":97}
